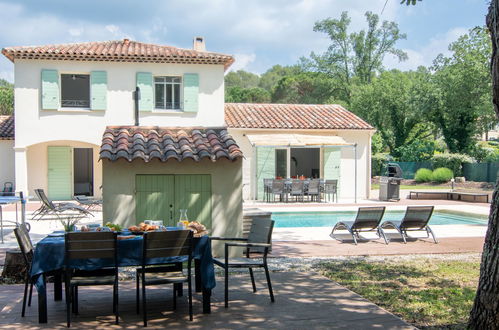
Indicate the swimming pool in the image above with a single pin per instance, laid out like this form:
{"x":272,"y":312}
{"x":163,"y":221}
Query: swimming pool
{"x":328,"y":219}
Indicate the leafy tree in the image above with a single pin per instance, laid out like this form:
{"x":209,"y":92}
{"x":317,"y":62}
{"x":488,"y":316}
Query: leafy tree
{"x":463,"y":84}
{"x":271,"y":77}
{"x":241,"y":78}
{"x":6,"y":97}
{"x":357,"y":54}
{"x":395,"y":103}
{"x":247,"y":95}
{"x":304,"y":88}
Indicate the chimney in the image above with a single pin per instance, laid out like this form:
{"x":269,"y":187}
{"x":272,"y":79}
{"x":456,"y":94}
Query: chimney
{"x":198,"y":44}
{"x":126,"y":41}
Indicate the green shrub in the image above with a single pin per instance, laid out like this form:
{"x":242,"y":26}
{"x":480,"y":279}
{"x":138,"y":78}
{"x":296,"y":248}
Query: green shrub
{"x":442,"y":174}
{"x":417,"y":151}
{"x":454,"y":162}
{"x":423,"y":175}
{"x":378,"y":161}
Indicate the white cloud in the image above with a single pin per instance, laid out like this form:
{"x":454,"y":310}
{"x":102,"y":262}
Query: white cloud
{"x":425,"y":55}
{"x":242,"y":61}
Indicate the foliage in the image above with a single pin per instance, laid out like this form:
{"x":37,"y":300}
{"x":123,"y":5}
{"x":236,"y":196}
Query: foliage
{"x":396,"y":103}
{"x":247,"y":95}
{"x":358,"y":54}
{"x":6,"y":100}
{"x":304,"y":88}
{"x":452,"y":161}
{"x":427,"y":292}
{"x":463,"y":84}
{"x":377,"y":163}
{"x":271,"y":77}
{"x":377,"y":144}
{"x":442,"y":174}
{"x":485,"y":152}
{"x":423,"y":175}
{"x":417,"y":151}
{"x":241,"y":79}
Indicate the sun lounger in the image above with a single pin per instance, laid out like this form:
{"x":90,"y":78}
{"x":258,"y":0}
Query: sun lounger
{"x":58,"y":210}
{"x":416,"y":218}
{"x":367,"y":219}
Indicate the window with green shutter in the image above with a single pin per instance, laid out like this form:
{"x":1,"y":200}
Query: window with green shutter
{"x":144,"y":82}
{"x":50,"y":90}
{"x":191,"y":92}
{"x":98,"y":90}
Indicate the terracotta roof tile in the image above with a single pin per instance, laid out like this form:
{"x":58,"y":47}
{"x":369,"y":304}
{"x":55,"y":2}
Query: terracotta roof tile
{"x":291,"y":116}
{"x":6,"y":127}
{"x":117,"y":51}
{"x":147,"y":143}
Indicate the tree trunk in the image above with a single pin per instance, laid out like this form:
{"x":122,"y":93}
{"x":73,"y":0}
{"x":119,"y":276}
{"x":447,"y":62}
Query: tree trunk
{"x":485,"y":311}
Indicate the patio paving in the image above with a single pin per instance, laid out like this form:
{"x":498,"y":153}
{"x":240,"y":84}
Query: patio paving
{"x":303,"y":300}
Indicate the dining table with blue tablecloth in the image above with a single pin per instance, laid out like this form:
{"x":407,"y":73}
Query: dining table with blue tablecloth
{"x":49,"y":253}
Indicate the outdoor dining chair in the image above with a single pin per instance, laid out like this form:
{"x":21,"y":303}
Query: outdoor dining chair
{"x":260,"y":236}
{"x":367,"y":220}
{"x":80,"y":247}
{"x":278,"y":188}
{"x":267,"y":188}
{"x":164,"y":244}
{"x":314,"y":190}
{"x":331,"y":190}
{"x":416,"y":218}
{"x":50,"y":208}
{"x":297,"y":189}
{"x":26,"y":246}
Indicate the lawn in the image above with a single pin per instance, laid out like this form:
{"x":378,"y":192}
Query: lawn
{"x":426,"y":292}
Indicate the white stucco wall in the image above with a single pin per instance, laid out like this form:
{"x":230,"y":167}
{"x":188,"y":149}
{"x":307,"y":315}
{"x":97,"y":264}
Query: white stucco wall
{"x":7,"y":172}
{"x":34,"y":125}
{"x":347,"y":165}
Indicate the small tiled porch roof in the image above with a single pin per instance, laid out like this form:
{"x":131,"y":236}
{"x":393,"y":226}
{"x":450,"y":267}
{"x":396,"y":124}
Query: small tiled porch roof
{"x":117,"y":51}
{"x":6,"y":127}
{"x":163,"y":143}
{"x":292,"y":116}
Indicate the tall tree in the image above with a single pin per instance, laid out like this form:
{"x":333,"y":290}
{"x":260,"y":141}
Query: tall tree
{"x":271,"y":77}
{"x":304,"y":88}
{"x":241,"y":78}
{"x":485,"y":311}
{"x":247,"y":95}
{"x":396,"y":103}
{"x":464,"y":85}
{"x":6,"y":97}
{"x":358,"y":54}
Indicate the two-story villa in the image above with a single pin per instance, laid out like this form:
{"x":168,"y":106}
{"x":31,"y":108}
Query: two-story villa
{"x":77,"y":132}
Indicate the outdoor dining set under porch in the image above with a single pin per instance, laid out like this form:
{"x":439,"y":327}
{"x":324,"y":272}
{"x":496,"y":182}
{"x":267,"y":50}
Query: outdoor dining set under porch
{"x":300,"y":190}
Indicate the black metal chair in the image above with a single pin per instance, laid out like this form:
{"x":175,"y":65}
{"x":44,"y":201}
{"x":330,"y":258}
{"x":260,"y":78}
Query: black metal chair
{"x":90,"y":245}
{"x":331,"y":189}
{"x":163,"y":245}
{"x":26,"y":246}
{"x":259,"y":239}
{"x":416,"y":218}
{"x":367,"y":219}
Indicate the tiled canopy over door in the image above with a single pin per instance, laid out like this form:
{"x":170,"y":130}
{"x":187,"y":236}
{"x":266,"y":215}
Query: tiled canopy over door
{"x":60,"y":174}
{"x":265,"y":168}
{"x":193,"y":192}
{"x":332,"y":159}
{"x":154,"y":195}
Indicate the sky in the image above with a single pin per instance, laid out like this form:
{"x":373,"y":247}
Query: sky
{"x":259,"y":33}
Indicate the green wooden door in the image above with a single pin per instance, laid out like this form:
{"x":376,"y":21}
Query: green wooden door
{"x":153,"y":196}
{"x":265,"y":168}
{"x":332,"y":160}
{"x":60,"y":174}
{"x":193,"y":192}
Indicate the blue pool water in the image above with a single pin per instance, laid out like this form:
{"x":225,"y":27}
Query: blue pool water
{"x":328,"y":219}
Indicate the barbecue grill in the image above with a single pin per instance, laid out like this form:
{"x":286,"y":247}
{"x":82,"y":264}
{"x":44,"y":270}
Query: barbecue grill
{"x":389,"y":183}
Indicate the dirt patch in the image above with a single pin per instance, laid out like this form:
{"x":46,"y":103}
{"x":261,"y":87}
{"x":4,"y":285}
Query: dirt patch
{"x":468,"y":185}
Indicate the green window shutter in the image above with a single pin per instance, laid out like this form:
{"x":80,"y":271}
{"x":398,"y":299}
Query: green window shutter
{"x":265,"y":168}
{"x":193,"y":192}
{"x":332,"y":160}
{"x":50,"y":90}
{"x":191,"y":92}
{"x":60,"y":176}
{"x":144,"y":82}
{"x":153,"y":196}
{"x":98,"y":90}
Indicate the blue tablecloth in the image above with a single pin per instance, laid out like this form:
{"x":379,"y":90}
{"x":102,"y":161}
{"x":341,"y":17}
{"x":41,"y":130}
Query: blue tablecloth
{"x":49,"y":256}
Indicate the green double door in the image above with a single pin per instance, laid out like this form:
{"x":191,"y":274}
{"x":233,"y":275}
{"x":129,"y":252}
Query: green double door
{"x":160,"y":197}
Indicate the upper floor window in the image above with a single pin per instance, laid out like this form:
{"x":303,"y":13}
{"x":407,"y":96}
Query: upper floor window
{"x":75,"y":90}
{"x":167,"y":92}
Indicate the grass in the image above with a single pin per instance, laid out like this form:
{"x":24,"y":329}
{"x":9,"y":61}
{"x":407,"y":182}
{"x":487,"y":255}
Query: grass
{"x":375,"y":186}
{"x":425,"y":292}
